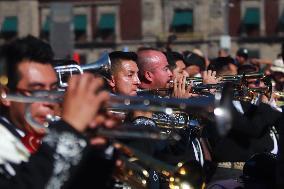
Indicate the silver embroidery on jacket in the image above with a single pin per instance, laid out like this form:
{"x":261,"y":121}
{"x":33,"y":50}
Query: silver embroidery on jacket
{"x":68,"y":153}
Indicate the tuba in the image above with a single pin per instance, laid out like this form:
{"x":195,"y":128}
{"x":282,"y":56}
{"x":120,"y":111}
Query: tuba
{"x":101,"y":66}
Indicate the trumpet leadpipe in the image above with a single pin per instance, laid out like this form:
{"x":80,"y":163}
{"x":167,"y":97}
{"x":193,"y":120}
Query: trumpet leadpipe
{"x":132,"y":132}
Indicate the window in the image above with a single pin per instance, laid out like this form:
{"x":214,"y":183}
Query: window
{"x":45,"y":29}
{"x":281,"y":22}
{"x":251,"y":22}
{"x":182,"y":21}
{"x":9,"y":28}
{"x":106,"y":27}
{"x":80,"y":27}
{"x":254,"y":53}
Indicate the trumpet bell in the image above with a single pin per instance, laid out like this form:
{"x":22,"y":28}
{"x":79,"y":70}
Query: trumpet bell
{"x":188,"y":175}
{"x":101,"y":66}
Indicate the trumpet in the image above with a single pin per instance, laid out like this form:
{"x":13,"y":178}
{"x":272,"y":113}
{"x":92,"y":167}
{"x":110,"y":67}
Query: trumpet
{"x":201,"y":89}
{"x":177,"y":120}
{"x":279,"y":94}
{"x":279,"y":98}
{"x":225,"y":78}
{"x":117,"y":102}
{"x":102,"y":65}
{"x":136,"y":165}
{"x":124,"y":131}
{"x":250,"y":94}
{"x":134,"y":172}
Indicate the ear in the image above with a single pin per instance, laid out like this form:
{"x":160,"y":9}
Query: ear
{"x":5,"y":90}
{"x":148,"y":75}
{"x":111,"y":82}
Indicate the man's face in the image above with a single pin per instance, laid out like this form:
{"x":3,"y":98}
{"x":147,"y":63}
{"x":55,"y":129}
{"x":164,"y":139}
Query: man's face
{"x":125,"y":80}
{"x":179,"y":71}
{"x":193,"y":70}
{"x":241,"y":60}
{"x":33,"y":76}
{"x":279,"y":79}
{"x":161,"y":74}
{"x":230,"y":69}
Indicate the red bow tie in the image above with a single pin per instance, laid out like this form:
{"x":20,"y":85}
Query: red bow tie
{"x":32,"y":142}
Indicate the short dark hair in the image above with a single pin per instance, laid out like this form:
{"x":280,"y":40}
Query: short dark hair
{"x":28,"y":48}
{"x":247,"y":68}
{"x":191,"y":58}
{"x":116,"y":57}
{"x":242,"y":52}
{"x":173,"y":57}
{"x":220,"y":64}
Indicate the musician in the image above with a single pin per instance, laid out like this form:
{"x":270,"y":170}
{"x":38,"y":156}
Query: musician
{"x":194,"y":63}
{"x":242,"y":56}
{"x":124,"y":73}
{"x":56,"y":159}
{"x":277,"y":74}
{"x":176,"y":64}
{"x":250,"y":133}
{"x":29,"y":69}
{"x":223,"y":66}
{"x":154,"y":69}
{"x":155,"y":73}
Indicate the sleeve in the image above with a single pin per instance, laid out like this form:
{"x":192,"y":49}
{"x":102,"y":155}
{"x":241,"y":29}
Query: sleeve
{"x":51,"y":166}
{"x":255,"y":121}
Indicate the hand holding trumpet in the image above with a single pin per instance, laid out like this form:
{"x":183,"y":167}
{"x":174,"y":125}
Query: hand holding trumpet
{"x":82,"y":101}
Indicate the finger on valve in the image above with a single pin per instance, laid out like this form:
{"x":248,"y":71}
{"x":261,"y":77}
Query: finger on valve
{"x":82,"y":101}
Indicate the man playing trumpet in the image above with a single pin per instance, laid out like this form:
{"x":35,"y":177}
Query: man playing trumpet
{"x":63,"y":147}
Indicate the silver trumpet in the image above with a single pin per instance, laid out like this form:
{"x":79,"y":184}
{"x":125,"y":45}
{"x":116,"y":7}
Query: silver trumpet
{"x":120,"y":102}
{"x":102,"y":65}
{"x":124,"y":131}
{"x":203,"y":106}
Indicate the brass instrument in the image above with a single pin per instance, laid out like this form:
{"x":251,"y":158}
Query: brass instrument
{"x":226,"y":78}
{"x":136,"y":165}
{"x":177,"y":120}
{"x":240,"y":84}
{"x":118,"y":102}
{"x":124,"y":131}
{"x":102,"y":65}
{"x":201,"y":89}
{"x":245,"y":93}
{"x":279,"y":94}
{"x":279,"y":98}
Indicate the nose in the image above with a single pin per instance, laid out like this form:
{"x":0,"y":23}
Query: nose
{"x":48,"y":105}
{"x":137,"y":80}
{"x":170,"y":73}
{"x":184,"y":73}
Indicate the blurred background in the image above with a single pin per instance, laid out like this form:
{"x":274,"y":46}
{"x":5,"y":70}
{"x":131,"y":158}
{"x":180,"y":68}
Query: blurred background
{"x":83,"y":29}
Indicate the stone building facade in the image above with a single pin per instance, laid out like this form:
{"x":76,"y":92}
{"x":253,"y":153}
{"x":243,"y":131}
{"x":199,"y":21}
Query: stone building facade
{"x":100,"y":25}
